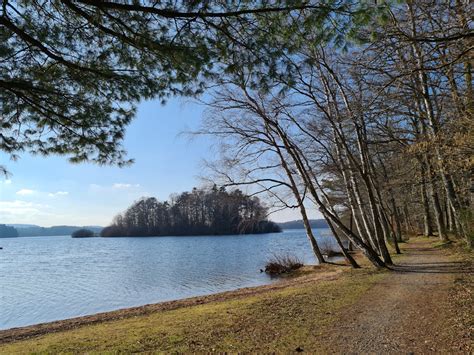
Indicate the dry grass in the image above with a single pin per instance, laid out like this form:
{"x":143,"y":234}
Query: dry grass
{"x":277,"y":320}
{"x":283,"y":264}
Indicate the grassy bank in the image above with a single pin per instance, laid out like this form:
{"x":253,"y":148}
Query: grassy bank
{"x":269,"y":319}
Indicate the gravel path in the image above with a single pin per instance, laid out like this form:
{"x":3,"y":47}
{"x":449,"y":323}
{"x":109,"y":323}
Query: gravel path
{"x":413,"y":310}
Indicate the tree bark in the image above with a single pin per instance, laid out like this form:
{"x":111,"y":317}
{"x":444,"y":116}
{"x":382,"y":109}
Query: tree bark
{"x":427,"y":224}
{"x":346,"y":254}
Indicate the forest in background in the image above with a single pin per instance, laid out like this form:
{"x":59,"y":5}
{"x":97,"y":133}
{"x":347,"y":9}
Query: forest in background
{"x":7,"y":231}
{"x":299,"y":224}
{"x":199,"y":212}
{"x":31,"y":230}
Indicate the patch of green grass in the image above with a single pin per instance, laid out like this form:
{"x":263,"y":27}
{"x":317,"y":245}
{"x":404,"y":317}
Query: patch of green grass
{"x":276,"y":320}
{"x":442,"y":244}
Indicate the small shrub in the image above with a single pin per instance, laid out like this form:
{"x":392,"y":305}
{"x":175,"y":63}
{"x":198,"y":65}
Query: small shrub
{"x":281,"y":264}
{"x":83,"y":233}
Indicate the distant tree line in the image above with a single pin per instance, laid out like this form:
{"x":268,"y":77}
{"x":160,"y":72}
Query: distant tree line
{"x":7,"y":231}
{"x":299,"y":224}
{"x":199,"y":212}
{"x":37,"y":231}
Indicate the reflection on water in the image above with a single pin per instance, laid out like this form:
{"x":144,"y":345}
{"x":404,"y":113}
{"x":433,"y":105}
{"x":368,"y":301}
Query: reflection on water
{"x":50,"y":278}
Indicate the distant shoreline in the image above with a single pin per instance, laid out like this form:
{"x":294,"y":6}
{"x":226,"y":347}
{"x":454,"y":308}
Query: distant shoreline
{"x":32,"y":230}
{"x":150,"y":236}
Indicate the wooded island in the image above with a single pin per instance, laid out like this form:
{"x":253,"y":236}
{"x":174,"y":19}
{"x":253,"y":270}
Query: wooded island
{"x":199,"y":212}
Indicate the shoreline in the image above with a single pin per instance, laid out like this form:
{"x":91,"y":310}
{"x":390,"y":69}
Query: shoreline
{"x":321,"y":309}
{"x":307,"y":274}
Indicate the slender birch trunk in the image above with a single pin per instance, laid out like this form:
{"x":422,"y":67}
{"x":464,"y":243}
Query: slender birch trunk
{"x":427,"y":224}
{"x":346,"y":254}
{"x":296,"y":193}
{"x":366,"y":249}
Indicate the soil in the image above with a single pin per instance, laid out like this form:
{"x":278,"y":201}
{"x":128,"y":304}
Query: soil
{"x":425,"y":305}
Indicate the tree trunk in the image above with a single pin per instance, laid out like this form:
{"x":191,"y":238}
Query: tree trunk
{"x":396,"y":220}
{"x":309,"y":233}
{"x":296,"y":193}
{"x":366,"y":249}
{"x":390,"y":232}
{"x":433,"y":125}
{"x":353,"y":195}
{"x":347,"y":255}
{"x":427,"y":226}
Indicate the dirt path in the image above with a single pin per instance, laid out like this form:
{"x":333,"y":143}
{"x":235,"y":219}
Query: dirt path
{"x":412,"y":310}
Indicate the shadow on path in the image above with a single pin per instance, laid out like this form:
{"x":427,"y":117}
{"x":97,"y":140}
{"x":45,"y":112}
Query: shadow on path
{"x":420,"y":307}
{"x":436,"y":267}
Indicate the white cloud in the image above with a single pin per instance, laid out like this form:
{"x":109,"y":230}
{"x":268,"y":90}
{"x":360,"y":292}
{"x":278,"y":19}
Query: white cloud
{"x":58,"y":193}
{"x":6,"y":182}
{"x":124,"y":186}
{"x":21,"y":208}
{"x":18,"y":211}
{"x":25,"y":192}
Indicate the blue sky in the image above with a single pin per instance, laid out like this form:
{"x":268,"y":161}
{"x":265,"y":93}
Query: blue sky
{"x":51,"y":191}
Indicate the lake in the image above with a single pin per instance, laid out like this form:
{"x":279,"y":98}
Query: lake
{"x":51,"y":278}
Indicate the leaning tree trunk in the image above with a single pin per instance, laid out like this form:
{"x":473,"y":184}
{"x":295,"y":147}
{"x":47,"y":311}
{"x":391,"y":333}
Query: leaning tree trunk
{"x":296,"y":193}
{"x":346,"y":254}
{"x":352,"y":196}
{"x":398,"y":235}
{"x":309,"y":233}
{"x":391,"y":232}
{"x":388,"y":229}
{"x":366,"y":249}
{"x":398,"y":222}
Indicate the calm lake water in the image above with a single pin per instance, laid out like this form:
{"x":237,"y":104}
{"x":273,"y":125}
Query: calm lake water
{"x":50,"y":278}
